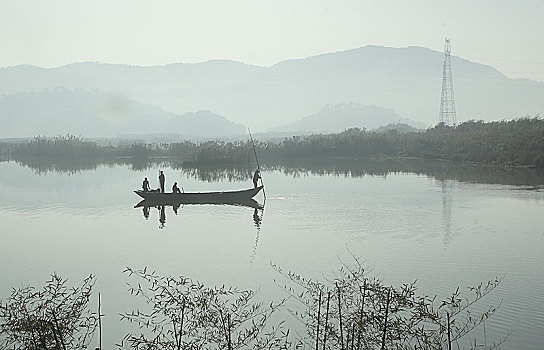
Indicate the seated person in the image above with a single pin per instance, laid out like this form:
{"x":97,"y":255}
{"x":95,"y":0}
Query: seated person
{"x":175,"y":188}
{"x":145,"y":185}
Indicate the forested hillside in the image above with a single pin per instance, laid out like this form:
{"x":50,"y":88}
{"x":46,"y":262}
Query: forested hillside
{"x":517,"y":142}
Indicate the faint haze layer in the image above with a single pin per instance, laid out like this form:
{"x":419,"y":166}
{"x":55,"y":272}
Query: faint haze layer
{"x":338,"y":118}
{"x":81,"y":112}
{"x":404,"y":81}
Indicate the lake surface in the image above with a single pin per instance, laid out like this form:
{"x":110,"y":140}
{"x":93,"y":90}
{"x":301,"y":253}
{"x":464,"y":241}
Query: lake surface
{"x":443,"y":231}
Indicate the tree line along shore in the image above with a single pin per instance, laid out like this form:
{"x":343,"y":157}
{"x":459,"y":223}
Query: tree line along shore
{"x":512,"y":143}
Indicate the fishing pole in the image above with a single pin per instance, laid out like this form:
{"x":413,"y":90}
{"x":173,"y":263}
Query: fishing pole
{"x":257,"y":160}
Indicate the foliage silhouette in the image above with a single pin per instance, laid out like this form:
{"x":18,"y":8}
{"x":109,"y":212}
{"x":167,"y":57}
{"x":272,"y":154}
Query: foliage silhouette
{"x":56,"y":317}
{"x":355,"y":311}
{"x":185,"y":314}
{"x":350,"y":311}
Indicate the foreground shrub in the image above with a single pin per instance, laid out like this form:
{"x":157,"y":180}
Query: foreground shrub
{"x":56,"y":317}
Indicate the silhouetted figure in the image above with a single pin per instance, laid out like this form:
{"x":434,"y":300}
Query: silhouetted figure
{"x":175,"y":188}
{"x":256,"y":218}
{"x":146,"y":212}
{"x":162,"y":218}
{"x":176,"y":207}
{"x":256,"y":177}
{"x":161,"y":181}
{"x":145,"y":185}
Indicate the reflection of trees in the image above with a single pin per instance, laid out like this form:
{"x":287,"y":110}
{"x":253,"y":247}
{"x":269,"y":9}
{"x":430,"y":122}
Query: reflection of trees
{"x":441,"y":170}
{"x":62,"y":165}
{"x":43,"y":166}
{"x":5,"y":151}
{"x":446,"y":186}
{"x":347,"y":166}
{"x":218,"y":173}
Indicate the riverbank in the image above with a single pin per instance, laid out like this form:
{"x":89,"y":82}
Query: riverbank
{"x":515,"y":143}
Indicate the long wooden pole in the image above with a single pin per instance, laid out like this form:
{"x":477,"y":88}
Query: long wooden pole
{"x":257,"y":160}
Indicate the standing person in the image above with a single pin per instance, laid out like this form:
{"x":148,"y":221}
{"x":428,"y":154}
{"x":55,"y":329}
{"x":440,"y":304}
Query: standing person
{"x":145,"y":185}
{"x":256,"y":177}
{"x":161,"y":181}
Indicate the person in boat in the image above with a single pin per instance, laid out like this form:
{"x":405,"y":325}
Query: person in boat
{"x":256,"y":177}
{"x":145,"y":185}
{"x":161,"y":181}
{"x":175,"y":188}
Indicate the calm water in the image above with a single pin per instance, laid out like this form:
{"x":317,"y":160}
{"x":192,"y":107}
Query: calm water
{"x":406,"y":225}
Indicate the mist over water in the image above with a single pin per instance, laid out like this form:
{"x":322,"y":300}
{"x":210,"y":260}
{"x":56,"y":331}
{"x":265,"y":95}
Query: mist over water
{"x":443,"y":226}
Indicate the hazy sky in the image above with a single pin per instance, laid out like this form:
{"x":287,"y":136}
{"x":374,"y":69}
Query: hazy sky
{"x":506,"y":34}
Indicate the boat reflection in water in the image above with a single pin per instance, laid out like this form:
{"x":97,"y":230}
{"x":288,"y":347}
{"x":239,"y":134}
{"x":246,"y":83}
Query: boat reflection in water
{"x":147,"y":204}
{"x":160,"y":205}
{"x":155,"y":199}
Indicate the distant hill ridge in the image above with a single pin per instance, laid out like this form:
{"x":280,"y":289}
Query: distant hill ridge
{"x":405,"y":80}
{"x":337,"y":118}
{"x":97,"y":114}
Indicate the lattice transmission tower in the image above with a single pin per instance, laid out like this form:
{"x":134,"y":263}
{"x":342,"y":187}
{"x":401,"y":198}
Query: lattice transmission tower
{"x":447,"y":102}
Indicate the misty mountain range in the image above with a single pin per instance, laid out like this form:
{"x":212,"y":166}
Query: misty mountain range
{"x":96,"y":114}
{"x":371,"y":86}
{"x":338,"y":118}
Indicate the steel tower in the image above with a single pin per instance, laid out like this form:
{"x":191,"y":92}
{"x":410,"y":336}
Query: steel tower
{"x":447,"y":102}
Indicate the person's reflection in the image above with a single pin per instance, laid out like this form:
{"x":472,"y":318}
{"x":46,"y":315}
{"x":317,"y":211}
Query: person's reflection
{"x":256,"y":218}
{"x":145,"y":209}
{"x":176,"y":207}
{"x":162,"y":216}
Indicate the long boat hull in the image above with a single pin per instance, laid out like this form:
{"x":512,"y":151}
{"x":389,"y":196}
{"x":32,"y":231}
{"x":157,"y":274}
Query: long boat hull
{"x":226,"y":197}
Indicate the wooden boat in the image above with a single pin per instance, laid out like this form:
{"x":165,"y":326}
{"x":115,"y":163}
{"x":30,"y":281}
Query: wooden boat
{"x":225,"y":197}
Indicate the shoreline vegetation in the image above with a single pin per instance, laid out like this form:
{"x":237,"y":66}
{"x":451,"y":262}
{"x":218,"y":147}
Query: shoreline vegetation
{"x":514,"y":143}
{"x":506,"y":152}
{"x":351,"y":311}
